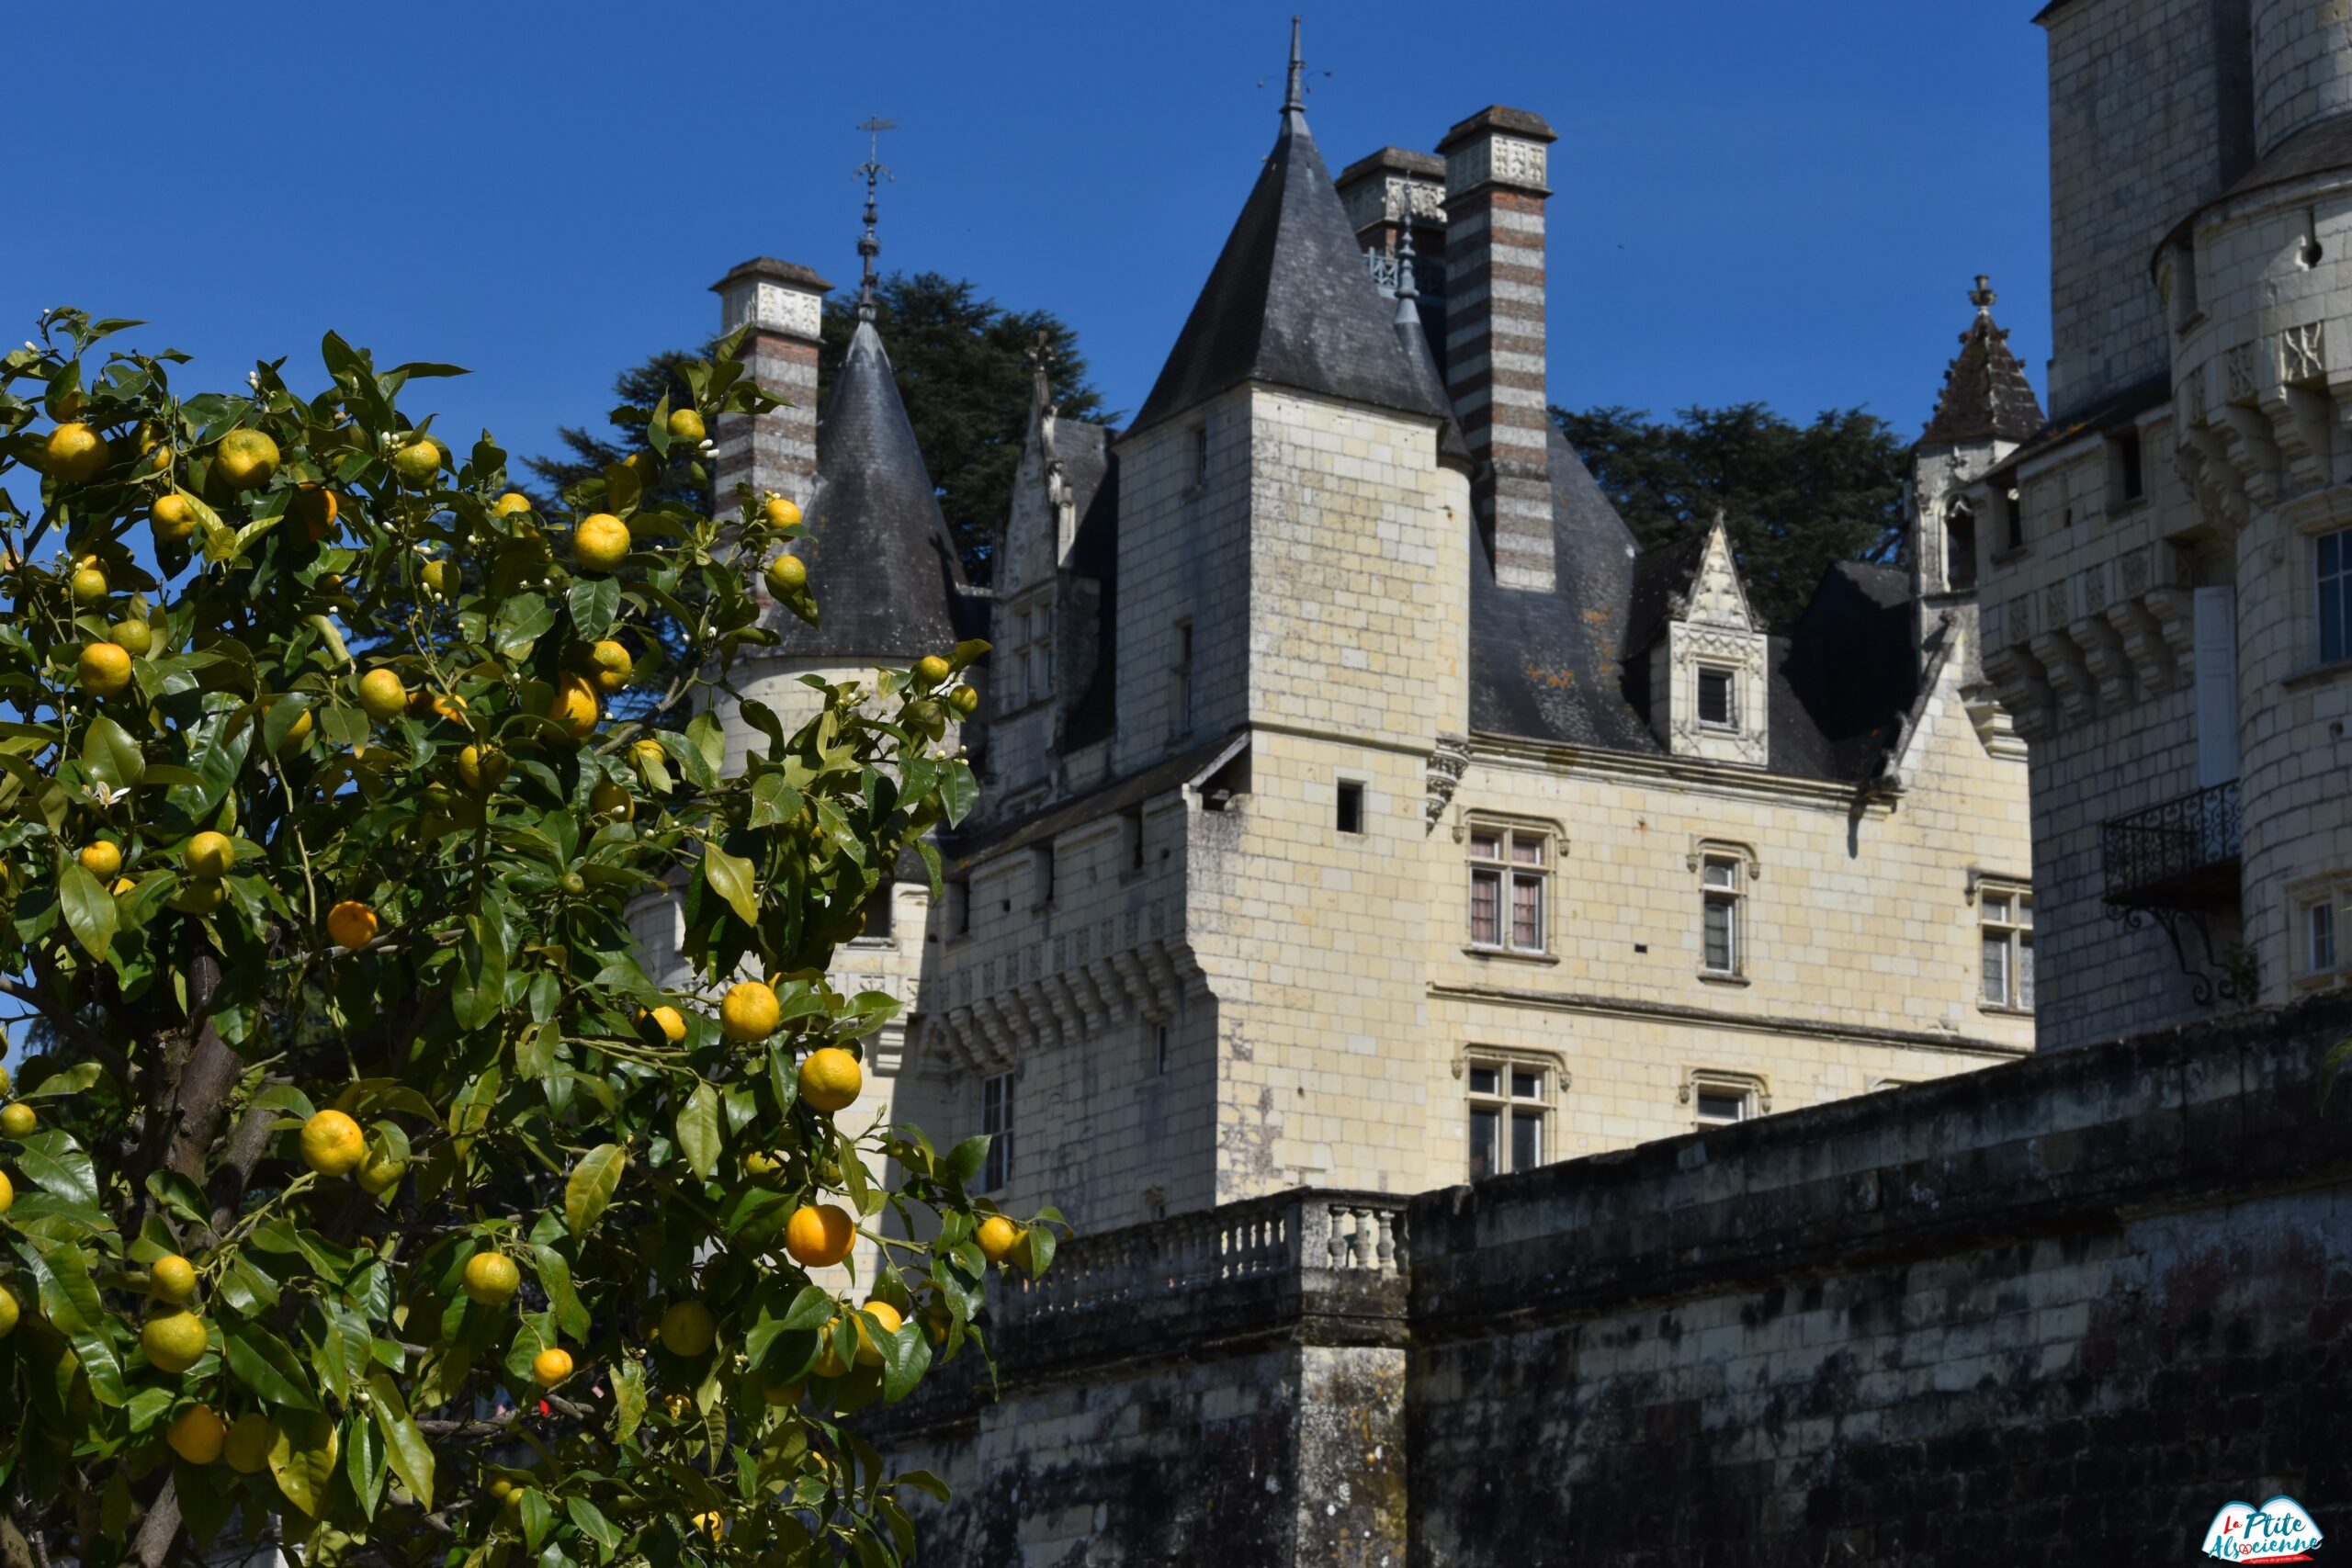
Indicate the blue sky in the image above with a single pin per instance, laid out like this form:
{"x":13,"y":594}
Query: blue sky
{"x":1782,"y":202}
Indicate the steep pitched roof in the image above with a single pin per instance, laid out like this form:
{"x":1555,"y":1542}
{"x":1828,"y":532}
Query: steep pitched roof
{"x":886,"y":571}
{"x":1290,"y":302}
{"x":1986,"y":392}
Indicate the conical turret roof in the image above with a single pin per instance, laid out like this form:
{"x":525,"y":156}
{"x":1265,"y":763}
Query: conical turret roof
{"x":1290,"y":302}
{"x":883,"y":564}
{"x":1986,"y":393}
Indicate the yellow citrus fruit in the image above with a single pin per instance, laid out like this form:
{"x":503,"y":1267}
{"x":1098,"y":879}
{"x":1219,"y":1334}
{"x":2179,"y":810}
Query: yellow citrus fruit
{"x":574,"y":707}
{"x":17,"y":1121}
{"x":134,"y":637}
{"x":819,"y":1234}
{"x":88,"y":586}
{"x":645,"y":753}
{"x":964,"y":701}
{"x":782,"y":1394}
{"x":550,"y":1367}
{"x":749,"y":1012}
{"x":9,"y":1310}
{"x":104,"y":668}
{"x":998,"y":1237}
{"x":713,"y":1524}
{"x":101,"y":859}
{"x":314,"y":508}
{"x":201,"y":896}
{"x":247,"y":459}
{"x":887,"y":1316}
{"x":333,"y":1143}
{"x":786,"y":576}
{"x":174,"y":1342}
{"x":672,"y":1022}
{"x":171,"y":1280}
{"x":609,"y":799}
{"x":761,"y":1163}
{"x":418,"y":462}
{"x":439,"y":577}
{"x":251,"y":1437}
{"x":381,"y":695}
{"x":297,"y":731}
{"x":830,"y":1079}
{"x":687,"y":1328}
{"x":829,"y":1357}
{"x":75,"y":452}
{"x":491,"y":1279}
{"x":481,"y":771}
{"x":600,"y":543}
{"x":210,"y":855}
{"x":685,"y":425}
{"x":351,"y":924}
{"x":781,"y":511}
{"x":197,"y":1434}
{"x":381,"y":1174}
{"x":511,"y":504}
{"x":613,"y":665}
{"x":122,"y":885}
{"x":172,"y":516}
{"x":931,"y":670}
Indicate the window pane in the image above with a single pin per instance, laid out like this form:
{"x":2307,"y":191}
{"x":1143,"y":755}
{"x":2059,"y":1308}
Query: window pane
{"x":1996,"y":968}
{"x":2025,"y":911}
{"x":1486,"y":1080}
{"x":1486,"y":846}
{"x":2025,"y":970}
{"x":1718,"y":943}
{"x":1485,"y":1142}
{"x":1526,"y":1084}
{"x":1996,"y":905}
{"x":1527,"y":849}
{"x":2322,"y":926}
{"x":1487,"y":907}
{"x":1526,"y":1140}
{"x":1714,"y":697}
{"x":1720,"y":872}
{"x":1527,"y":913}
{"x":1722,"y":1105}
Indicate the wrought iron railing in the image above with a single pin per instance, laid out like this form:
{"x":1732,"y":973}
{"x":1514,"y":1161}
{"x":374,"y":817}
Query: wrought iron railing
{"x":2179,"y":853}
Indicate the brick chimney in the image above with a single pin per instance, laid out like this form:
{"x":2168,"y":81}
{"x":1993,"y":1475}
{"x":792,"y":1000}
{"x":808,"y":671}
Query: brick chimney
{"x":1494,"y":190}
{"x":782,"y":302}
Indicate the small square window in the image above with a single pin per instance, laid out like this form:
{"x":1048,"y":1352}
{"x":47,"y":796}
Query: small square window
{"x":1720,"y":1099}
{"x":1510,"y":880}
{"x":2005,"y":920}
{"x":2319,"y":932}
{"x":1350,"y":806}
{"x":1508,"y":1114}
{"x":1715,"y":699}
{"x":1160,"y":1047}
{"x":1486,"y":1080}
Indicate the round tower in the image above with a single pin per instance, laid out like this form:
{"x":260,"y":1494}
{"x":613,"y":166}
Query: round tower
{"x":2302,"y":66}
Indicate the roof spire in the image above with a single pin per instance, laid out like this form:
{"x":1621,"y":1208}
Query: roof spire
{"x":1294,"y":94}
{"x":1981,"y":296}
{"x":1407,"y":291}
{"x":868,"y":247}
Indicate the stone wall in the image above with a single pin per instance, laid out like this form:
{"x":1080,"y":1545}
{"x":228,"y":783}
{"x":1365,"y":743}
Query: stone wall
{"x":2054,"y":1312}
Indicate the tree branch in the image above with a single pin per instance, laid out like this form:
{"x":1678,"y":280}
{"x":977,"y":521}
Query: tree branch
{"x":81,"y":1036}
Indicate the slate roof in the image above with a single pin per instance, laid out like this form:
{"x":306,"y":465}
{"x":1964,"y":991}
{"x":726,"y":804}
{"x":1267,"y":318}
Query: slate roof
{"x":1094,"y":556}
{"x":1986,"y":392}
{"x":888,"y":578}
{"x":1290,"y":302}
{"x":1845,"y":675}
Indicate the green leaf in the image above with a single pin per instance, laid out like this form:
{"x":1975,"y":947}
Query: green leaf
{"x":412,"y":1457}
{"x":773,"y":800}
{"x":89,"y":910}
{"x":363,"y":1466}
{"x":595,"y":1526}
{"x":57,"y":1164}
{"x":481,"y":980}
{"x":98,"y":1364}
{"x":302,"y":1459}
{"x":178,"y":1194}
{"x":71,"y":1080}
{"x":698,"y":1131}
{"x":628,"y":1400}
{"x":958,"y":791}
{"x":266,"y":1364}
{"x":469,"y":1112}
{"x":710,"y":739}
{"x":966,"y":1158}
{"x":593,"y":604}
{"x":555,"y":1278}
{"x":521,"y":621}
{"x":731,"y":877}
{"x":113,"y":757}
{"x":590,"y":1187}
{"x":906,"y":1356}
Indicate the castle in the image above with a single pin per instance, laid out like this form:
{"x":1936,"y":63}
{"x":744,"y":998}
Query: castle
{"x":1361,"y":807}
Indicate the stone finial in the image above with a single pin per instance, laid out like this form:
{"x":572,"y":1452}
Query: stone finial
{"x":875,"y":171}
{"x":1294,"y":93}
{"x":1981,"y":296}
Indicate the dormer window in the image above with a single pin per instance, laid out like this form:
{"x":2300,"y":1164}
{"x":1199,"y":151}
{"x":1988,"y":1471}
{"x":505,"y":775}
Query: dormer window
{"x":1717,"y":708}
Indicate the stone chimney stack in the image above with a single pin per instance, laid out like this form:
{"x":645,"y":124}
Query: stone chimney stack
{"x":782,"y":302}
{"x":1495,"y":189}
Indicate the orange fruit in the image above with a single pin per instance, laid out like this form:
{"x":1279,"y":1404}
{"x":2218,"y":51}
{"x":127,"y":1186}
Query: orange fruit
{"x":9,"y":1310}
{"x":492,"y":1280}
{"x":134,"y":637}
{"x":333,"y":1143}
{"x":381,"y":1174}
{"x":609,"y":799}
{"x":314,"y":507}
{"x":820,"y":1235}
{"x":482,"y":770}
{"x":351,"y":924}
{"x":550,"y":1367}
{"x":247,"y":459}
{"x":197,"y":1434}
{"x":7,"y":1196}
{"x":685,"y":425}
{"x":869,"y":1353}
{"x":786,"y":576}
{"x":670,"y":1022}
{"x":104,"y":668}
{"x":418,"y":463}
{"x":998,"y":1237}
{"x":931,"y":670}
{"x":381,"y":695}
{"x":749,"y":1012}
{"x":172,"y":516}
{"x":88,"y":584}
{"x":173,"y":1342}
{"x":251,"y":1437}
{"x":171,"y":1280}
{"x":688,"y":1329}
{"x":439,"y":577}
{"x":514,"y":502}
{"x":781,"y":511}
{"x":613,"y":665}
{"x":964,"y":701}
{"x":210,"y":855}
{"x":17,"y":1121}
{"x":75,"y":452}
{"x":574,"y":707}
{"x":600,"y":543}
{"x":830,"y":1079}
{"x":101,"y":859}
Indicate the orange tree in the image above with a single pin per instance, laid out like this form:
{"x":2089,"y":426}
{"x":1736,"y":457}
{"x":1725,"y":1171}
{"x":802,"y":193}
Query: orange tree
{"x":368,"y":1190}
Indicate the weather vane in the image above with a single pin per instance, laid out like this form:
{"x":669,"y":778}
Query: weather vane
{"x":875,"y":171}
